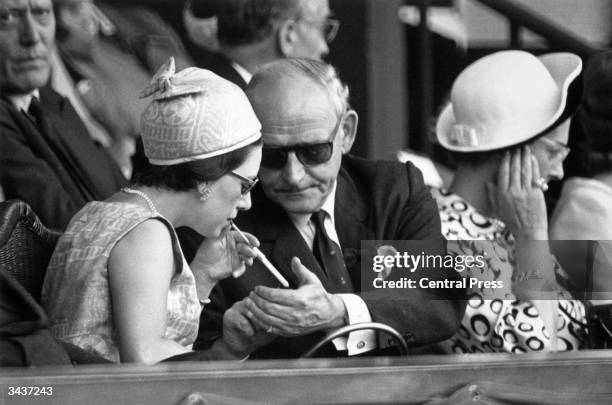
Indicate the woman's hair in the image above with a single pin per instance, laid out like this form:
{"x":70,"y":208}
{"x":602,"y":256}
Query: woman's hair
{"x":186,"y":176}
{"x":591,"y":136}
{"x":478,"y":158}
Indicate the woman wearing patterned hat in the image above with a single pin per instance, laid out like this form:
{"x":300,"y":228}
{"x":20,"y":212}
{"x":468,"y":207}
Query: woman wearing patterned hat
{"x":507,"y":125}
{"x":118,"y":284}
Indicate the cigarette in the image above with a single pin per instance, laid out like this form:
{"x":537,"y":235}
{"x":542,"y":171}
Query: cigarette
{"x":262,"y":258}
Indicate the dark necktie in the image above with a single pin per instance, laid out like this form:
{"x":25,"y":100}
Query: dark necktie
{"x":329,"y":255}
{"x":36,"y":112}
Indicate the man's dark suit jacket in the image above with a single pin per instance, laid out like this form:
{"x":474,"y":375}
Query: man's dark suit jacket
{"x":221,"y":65}
{"x":375,"y":200}
{"x":56,"y":168}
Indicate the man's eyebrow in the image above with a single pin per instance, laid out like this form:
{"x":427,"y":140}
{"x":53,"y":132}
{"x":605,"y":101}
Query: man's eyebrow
{"x":41,"y":7}
{"x":13,"y":9}
{"x":295,"y":145}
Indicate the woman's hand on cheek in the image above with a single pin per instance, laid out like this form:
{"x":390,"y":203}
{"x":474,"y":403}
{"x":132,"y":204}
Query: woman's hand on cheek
{"x":516,"y":199}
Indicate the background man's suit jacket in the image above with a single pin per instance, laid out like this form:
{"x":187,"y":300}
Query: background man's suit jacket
{"x":221,"y":65}
{"x":374,"y":201}
{"x":56,"y":168}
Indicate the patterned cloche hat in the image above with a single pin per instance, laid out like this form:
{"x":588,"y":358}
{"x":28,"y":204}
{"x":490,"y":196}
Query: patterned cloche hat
{"x":194,"y":115}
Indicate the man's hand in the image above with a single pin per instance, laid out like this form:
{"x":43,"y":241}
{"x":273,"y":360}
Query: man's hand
{"x":307,"y":309}
{"x":240,"y":336}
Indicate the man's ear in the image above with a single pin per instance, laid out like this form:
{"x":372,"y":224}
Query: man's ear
{"x":286,"y":38}
{"x":349,"y":130}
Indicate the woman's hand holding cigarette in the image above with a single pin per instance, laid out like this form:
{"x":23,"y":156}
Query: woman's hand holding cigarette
{"x":259,"y":254}
{"x":217,"y":259}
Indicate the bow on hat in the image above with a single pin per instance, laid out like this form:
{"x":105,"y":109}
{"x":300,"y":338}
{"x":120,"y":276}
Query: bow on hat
{"x":166,"y":83}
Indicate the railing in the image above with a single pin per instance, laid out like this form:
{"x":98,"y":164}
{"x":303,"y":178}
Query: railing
{"x":535,"y":378}
{"x":519,"y":17}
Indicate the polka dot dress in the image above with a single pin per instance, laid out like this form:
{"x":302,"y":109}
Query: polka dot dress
{"x":495,"y":321}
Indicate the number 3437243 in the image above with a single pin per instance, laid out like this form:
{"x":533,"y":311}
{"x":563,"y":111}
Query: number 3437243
{"x":27,"y":391}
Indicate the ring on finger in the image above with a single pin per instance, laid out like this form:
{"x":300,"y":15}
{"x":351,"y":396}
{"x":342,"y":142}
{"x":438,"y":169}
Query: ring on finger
{"x":541,"y":184}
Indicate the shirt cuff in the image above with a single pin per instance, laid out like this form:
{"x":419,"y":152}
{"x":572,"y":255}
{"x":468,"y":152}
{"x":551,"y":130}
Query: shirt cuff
{"x":362,"y":340}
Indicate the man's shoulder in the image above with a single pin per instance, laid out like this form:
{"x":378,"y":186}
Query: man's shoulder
{"x":51,"y":100}
{"x":10,"y":119}
{"x":7,"y":109}
{"x":371,"y":174}
{"x":376,"y":167}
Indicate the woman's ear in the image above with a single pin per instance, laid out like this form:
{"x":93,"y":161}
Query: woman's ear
{"x":286,"y":37}
{"x":349,"y":130}
{"x":204,"y":191}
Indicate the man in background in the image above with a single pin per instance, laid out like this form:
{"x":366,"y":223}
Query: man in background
{"x":251,"y":33}
{"x":107,"y":55}
{"x":47,"y":158}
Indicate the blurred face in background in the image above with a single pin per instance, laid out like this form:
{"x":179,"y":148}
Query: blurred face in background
{"x":313,"y":30}
{"x":27,"y":32}
{"x":77,"y":25}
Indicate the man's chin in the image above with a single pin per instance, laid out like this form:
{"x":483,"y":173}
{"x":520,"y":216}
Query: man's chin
{"x":304,"y":206}
{"x":26,"y":83}
{"x":306,"y":201}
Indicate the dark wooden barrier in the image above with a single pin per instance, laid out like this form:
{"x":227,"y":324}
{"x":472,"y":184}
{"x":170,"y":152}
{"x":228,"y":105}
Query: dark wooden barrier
{"x":554,"y":378}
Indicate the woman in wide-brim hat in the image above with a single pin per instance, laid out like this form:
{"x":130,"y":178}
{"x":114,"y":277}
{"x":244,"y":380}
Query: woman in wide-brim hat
{"x":507,"y":125}
{"x":118,"y":284}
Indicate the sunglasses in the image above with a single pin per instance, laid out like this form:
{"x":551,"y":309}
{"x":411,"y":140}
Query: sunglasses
{"x":310,"y":154}
{"x":557,"y":152}
{"x":329,"y":27}
{"x":246,"y":183}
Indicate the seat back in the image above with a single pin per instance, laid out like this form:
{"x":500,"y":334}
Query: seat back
{"x":26,"y":245}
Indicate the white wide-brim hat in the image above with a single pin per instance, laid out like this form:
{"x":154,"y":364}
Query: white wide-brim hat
{"x":506,"y":98}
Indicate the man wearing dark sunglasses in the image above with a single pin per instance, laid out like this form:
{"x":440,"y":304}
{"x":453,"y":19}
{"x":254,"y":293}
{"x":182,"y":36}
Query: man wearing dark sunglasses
{"x":318,"y":203}
{"x":252,"y":33}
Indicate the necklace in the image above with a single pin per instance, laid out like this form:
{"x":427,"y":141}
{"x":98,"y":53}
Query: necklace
{"x":143,"y":195}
